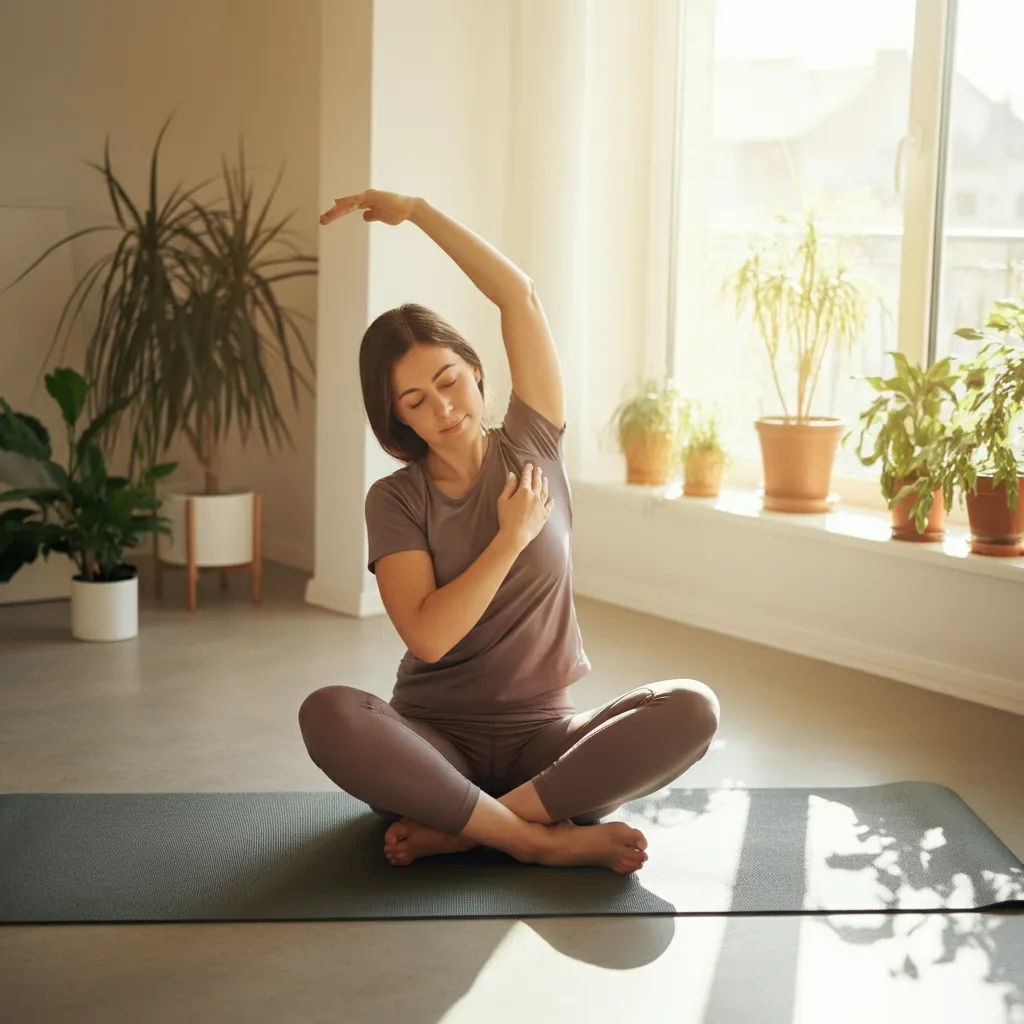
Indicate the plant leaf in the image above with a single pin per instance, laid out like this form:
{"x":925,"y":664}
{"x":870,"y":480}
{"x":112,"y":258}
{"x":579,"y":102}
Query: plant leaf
{"x":69,"y":390}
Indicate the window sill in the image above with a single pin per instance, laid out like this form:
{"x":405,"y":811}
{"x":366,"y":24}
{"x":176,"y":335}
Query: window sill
{"x":832,"y":587}
{"x":864,"y":528}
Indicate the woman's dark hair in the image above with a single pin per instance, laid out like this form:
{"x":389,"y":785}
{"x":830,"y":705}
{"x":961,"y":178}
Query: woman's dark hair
{"x":386,"y":340}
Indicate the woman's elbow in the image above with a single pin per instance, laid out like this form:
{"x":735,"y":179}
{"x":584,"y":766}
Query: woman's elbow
{"x":520,"y":293}
{"x":425,"y":650}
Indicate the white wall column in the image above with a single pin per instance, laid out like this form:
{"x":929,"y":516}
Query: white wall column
{"x":341,"y":462}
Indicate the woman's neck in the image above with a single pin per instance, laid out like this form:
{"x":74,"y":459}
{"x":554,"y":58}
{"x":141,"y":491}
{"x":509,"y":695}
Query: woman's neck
{"x":458,"y":468}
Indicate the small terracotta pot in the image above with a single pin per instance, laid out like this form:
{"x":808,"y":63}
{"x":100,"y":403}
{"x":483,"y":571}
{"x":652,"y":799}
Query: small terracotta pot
{"x":648,"y":459}
{"x":995,"y":528}
{"x":703,"y":473}
{"x":797,"y":457}
{"x":903,"y":525}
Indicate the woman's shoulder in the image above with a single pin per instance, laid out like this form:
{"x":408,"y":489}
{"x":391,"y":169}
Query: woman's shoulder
{"x":526,"y":430}
{"x":404,"y":488}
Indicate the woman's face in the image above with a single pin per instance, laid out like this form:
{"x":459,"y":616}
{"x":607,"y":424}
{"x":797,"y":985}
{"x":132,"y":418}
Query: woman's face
{"x":436,"y":393}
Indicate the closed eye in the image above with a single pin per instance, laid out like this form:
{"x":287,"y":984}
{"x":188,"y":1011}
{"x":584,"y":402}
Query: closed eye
{"x":448,"y":384}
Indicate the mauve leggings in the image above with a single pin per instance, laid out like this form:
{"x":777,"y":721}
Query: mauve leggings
{"x":430,"y":766}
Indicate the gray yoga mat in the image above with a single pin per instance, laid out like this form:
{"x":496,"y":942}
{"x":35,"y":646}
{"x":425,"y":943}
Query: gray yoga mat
{"x":117,"y":857}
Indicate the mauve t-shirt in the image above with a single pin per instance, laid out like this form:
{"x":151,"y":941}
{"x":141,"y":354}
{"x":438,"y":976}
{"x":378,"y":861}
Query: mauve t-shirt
{"x":527,"y":643}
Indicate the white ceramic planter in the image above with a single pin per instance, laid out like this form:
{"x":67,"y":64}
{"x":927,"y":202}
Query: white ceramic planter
{"x":105,"y":612}
{"x":224,"y":529}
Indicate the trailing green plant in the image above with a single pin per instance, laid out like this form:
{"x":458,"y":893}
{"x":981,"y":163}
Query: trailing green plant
{"x":654,"y":407}
{"x":802,"y":294}
{"x":188,"y":315}
{"x":983,"y":437}
{"x":80,"y":510}
{"x":911,"y":411}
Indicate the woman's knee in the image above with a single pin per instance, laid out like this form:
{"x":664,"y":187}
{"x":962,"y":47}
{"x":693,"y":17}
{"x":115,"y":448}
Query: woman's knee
{"x":330,"y":709}
{"x":694,"y":702}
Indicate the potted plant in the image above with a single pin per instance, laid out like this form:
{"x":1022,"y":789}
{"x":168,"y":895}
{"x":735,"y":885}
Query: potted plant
{"x":80,"y":511}
{"x":704,"y":453}
{"x":647,"y":427}
{"x":910,"y":412}
{"x":980,"y":455}
{"x":800,"y":291}
{"x":190,"y":320}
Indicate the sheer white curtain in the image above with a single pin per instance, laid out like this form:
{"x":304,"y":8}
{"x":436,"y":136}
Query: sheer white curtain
{"x":591,"y":136}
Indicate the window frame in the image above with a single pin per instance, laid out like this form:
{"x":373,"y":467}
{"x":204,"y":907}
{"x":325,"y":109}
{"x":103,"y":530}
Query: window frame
{"x":920,"y":172}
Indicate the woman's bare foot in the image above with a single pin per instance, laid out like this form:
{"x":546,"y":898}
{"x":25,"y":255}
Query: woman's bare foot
{"x":407,"y":840}
{"x":613,"y":845}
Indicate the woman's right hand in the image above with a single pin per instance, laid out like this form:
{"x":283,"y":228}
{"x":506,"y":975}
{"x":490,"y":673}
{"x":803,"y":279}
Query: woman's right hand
{"x":523,"y":511}
{"x":386,"y":207}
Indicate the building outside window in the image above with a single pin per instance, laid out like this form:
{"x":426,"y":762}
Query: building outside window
{"x":834,"y":106}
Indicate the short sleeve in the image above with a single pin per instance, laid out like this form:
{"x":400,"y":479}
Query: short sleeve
{"x":392,"y":524}
{"x":531,"y":432}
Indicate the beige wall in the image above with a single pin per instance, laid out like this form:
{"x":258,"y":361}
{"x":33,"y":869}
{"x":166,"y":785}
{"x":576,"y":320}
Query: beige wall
{"x":73,"y":73}
{"x":531,"y":122}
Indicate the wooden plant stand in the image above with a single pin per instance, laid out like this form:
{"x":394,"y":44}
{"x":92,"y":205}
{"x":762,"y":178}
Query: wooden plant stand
{"x":192,"y":570}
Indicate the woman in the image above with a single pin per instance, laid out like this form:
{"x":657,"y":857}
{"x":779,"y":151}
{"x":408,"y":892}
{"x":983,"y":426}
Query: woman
{"x":470,"y":542}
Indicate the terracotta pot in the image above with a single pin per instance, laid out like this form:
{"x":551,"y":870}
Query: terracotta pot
{"x":648,"y":459}
{"x":703,"y":476}
{"x":995,"y":528}
{"x":904,"y":527}
{"x":797,"y":457}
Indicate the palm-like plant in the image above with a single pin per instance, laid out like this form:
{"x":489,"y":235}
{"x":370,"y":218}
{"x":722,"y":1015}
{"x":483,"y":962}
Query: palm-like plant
{"x":188,"y":317}
{"x":802,"y":293}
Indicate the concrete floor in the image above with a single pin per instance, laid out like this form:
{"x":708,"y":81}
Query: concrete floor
{"x":208,"y":702}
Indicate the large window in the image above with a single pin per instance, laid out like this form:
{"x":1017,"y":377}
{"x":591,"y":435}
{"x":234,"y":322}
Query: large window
{"x":982,"y":251}
{"x":886,"y":123}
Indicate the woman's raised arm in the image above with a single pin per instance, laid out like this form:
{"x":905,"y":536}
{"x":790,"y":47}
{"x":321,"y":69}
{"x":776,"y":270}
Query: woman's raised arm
{"x":532,"y":356}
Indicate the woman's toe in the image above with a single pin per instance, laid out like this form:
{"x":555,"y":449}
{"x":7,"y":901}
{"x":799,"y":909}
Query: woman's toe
{"x":397,"y":833}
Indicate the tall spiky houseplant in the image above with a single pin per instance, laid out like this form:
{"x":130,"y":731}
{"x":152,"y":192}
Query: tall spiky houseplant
{"x":236,"y":332}
{"x":805,"y":301}
{"x":187,"y":315}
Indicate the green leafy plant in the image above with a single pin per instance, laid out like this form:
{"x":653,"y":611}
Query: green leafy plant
{"x":1005,"y":318}
{"x":911,"y":411}
{"x":803,"y":296}
{"x":80,"y":510}
{"x":654,"y":407}
{"x":188,"y":317}
{"x":983,"y":437}
{"x":702,"y":427}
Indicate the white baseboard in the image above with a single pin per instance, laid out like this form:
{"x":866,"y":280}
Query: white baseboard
{"x":359,"y":605}
{"x":287,"y":552}
{"x":747,"y":623}
{"x":333,"y":599}
{"x":370,"y":604}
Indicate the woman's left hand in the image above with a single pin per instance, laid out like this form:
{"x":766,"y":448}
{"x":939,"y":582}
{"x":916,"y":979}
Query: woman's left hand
{"x":387,"y":207}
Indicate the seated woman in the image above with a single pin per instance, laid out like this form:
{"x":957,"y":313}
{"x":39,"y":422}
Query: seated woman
{"x":481,"y":743}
